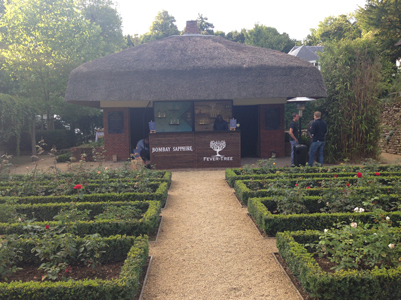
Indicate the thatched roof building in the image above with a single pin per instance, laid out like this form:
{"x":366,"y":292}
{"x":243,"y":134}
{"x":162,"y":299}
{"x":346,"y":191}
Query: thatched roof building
{"x":193,"y":67}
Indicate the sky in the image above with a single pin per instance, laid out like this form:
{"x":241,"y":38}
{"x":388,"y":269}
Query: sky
{"x":292,"y":17}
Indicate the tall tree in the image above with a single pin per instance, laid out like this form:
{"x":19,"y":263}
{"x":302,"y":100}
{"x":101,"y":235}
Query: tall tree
{"x":334,"y":29}
{"x":381,"y":18}
{"x":204,"y":26}
{"x":269,"y":37}
{"x":104,"y":14}
{"x":162,"y":26}
{"x":44,"y":40}
{"x":236,"y":36}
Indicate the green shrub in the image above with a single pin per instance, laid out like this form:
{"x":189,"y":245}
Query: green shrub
{"x":133,"y":250}
{"x":375,"y":284}
{"x":63,"y":157}
{"x":105,"y":227}
{"x":261,"y":210}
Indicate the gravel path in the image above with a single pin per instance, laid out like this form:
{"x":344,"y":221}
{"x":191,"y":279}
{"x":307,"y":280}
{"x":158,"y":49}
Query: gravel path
{"x":209,"y":248}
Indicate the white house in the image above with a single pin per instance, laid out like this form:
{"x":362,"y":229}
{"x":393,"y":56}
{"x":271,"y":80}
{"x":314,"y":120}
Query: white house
{"x":308,"y":53}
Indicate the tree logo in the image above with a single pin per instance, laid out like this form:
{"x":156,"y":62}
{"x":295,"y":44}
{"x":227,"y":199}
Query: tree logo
{"x":218,"y":146}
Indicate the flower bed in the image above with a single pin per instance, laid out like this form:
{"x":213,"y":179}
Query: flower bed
{"x":90,"y":177}
{"x":105,"y":227}
{"x":346,"y":284}
{"x":261,"y":210}
{"x":119,"y":248}
{"x":245,"y":189}
{"x":160,"y":194}
{"x":232,"y":175}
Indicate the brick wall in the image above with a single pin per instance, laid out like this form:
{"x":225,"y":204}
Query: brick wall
{"x":271,"y":140}
{"x":192,"y":27}
{"x":117,"y":143}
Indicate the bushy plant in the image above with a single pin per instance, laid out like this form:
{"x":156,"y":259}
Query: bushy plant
{"x":125,"y":212}
{"x":361,"y":246}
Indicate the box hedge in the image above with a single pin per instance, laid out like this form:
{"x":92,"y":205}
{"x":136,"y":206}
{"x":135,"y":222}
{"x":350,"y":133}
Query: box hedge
{"x":133,"y":250}
{"x":260,"y":209}
{"x":232,"y":176}
{"x":145,"y":225}
{"x":244,"y":193}
{"x":375,"y":284}
{"x":160,"y":195}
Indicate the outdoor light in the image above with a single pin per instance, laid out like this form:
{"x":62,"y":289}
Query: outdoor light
{"x":300,"y":101}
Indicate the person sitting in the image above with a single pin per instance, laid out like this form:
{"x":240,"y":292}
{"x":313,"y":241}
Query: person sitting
{"x":142,"y":148}
{"x":220,"y":124}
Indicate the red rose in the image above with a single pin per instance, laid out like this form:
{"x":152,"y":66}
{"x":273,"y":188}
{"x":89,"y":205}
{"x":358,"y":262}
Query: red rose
{"x":335,"y":176}
{"x":347,"y":184}
{"x":359,"y":174}
{"x":47,"y":226}
{"x":296,"y":184}
{"x":308,"y":187}
{"x":77,"y":187}
{"x":377,"y":174}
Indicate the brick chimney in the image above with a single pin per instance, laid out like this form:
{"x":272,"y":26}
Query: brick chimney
{"x":192,"y":27}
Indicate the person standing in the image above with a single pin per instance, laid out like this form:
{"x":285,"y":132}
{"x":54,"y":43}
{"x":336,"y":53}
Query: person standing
{"x":220,"y":123}
{"x":318,"y":131}
{"x":310,"y":135}
{"x":293,"y":135}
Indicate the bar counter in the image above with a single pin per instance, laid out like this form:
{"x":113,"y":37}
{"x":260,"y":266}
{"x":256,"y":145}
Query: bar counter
{"x":208,"y":149}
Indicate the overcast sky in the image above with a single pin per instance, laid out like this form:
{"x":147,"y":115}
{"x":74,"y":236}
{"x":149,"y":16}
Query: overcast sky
{"x":292,"y":17}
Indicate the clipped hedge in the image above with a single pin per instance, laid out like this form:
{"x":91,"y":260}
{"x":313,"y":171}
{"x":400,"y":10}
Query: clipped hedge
{"x":160,"y":195}
{"x":232,"y":177}
{"x":244,"y":193}
{"x":271,"y":224}
{"x":93,"y":177}
{"x":376,"y":284}
{"x":145,"y":225}
{"x":134,"y":251}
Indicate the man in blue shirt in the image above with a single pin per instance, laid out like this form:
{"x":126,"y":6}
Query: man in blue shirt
{"x":142,"y":148}
{"x":318,"y":132}
{"x":293,"y":135}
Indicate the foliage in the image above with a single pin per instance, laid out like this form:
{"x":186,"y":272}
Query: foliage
{"x":204,"y":26}
{"x":355,"y":246}
{"x":162,"y":26}
{"x":44,"y":40}
{"x":381,"y":19}
{"x":15,"y":114}
{"x":351,"y":70}
{"x":334,"y":29}
{"x":104,"y":14}
{"x":126,"y":212}
{"x":269,"y":37}
{"x":9,"y":255}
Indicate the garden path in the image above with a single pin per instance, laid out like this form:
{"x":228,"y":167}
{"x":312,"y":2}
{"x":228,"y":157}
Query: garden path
{"x":208,"y":248}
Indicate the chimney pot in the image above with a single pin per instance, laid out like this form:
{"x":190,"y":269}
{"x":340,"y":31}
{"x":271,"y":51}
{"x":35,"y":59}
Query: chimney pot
{"x":192,"y":27}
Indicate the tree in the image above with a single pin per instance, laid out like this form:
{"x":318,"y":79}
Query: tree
{"x":381,"y":18}
{"x":204,"y":26}
{"x":44,"y":40}
{"x":236,"y":36}
{"x":269,"y":37}
{"x":103,"y":13}
{"x":162,"y":26}
{"x":15,"y":114}
{"x":334,"y":29}
{"x":352,"y":72}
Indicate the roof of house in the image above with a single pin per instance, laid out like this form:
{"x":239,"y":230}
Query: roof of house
{"x":308,"y":53}
{"x":398,"y":43}
{"x":193,"y":67}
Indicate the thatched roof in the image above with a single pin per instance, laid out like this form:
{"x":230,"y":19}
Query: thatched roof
{"x":194,"y":67}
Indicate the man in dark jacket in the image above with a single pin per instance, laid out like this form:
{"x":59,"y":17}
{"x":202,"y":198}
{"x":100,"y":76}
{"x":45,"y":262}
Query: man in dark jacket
{"x":318,"y":132}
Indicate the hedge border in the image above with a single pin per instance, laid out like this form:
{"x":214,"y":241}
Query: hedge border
{"x":147,"y":224}
{"x":376,"y":284}
{"x":232,"y":177}
{"x":244,"y":193}
{"x":125,"y":287}
{"x":160,"y":195}
{"x":271,"y":224}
